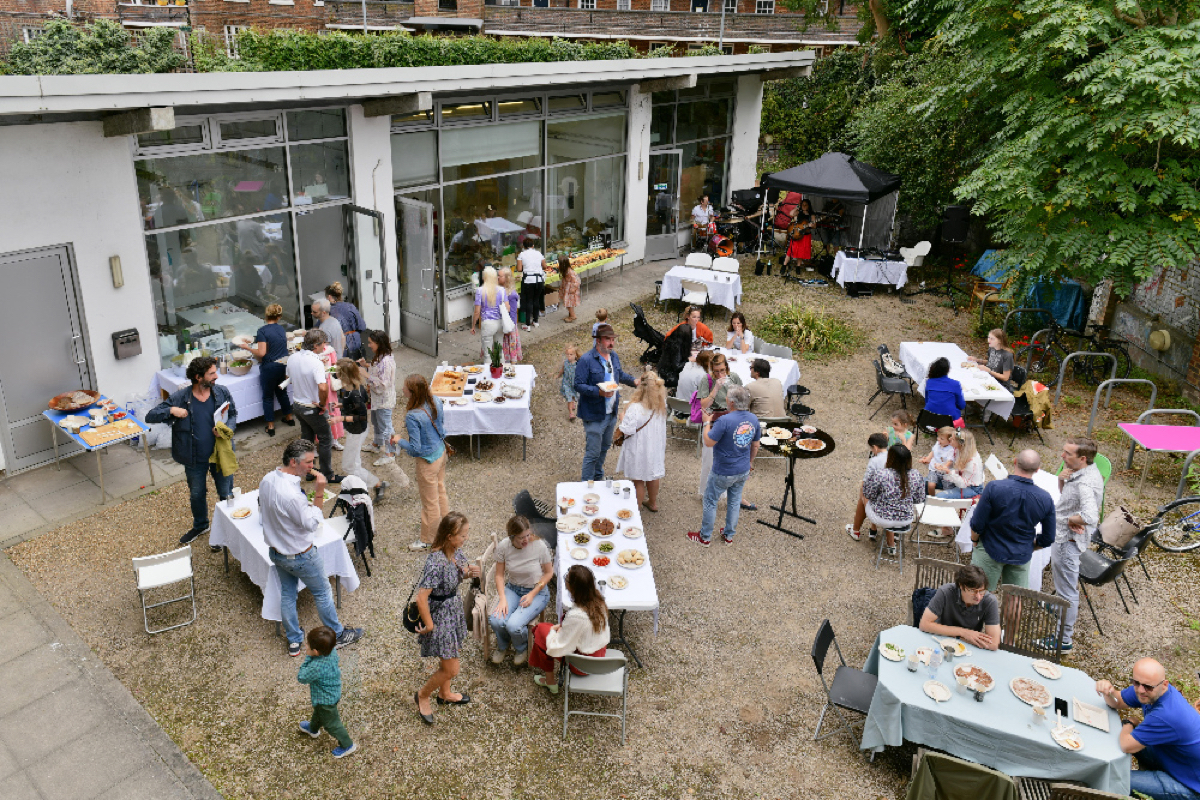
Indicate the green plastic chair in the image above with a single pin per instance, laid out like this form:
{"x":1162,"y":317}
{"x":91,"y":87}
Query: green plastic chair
{"x":1105,"y":467}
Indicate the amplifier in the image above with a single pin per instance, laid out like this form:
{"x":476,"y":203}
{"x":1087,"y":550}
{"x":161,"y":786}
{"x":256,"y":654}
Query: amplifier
{"x":855,"y":289}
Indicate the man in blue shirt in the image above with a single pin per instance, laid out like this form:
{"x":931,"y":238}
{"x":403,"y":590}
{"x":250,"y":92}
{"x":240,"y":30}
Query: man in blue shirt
{"x":1167,"y":742}
{"x":1003,"y":525}
{"x":734,"y":440}
{"x":598,"y":407}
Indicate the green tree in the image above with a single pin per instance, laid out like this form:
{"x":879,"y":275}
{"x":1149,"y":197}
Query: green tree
{"x":101,"y":47}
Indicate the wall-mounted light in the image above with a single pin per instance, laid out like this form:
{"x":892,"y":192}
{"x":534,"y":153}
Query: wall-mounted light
{"x":118,"y":276}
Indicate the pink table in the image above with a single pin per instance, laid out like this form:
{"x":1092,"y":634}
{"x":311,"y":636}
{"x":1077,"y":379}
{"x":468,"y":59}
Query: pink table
{"x":1160,"y":438}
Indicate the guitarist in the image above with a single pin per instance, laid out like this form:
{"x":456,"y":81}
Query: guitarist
{"x":799,"y":234}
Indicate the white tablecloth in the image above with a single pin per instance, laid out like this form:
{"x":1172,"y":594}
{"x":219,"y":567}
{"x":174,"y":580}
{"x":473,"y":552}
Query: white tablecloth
{"x":245,"y":390}
{"x":785,"y":370}
{"x":724,"y":288}
{"x":513,"y":417}
{"x":244,"y":538}
{"x":220,"y":314}
{"x":641,"y":593}
{"x":1040,"y":557}
{"x":917,"y":356}
{"x":864,"y":270}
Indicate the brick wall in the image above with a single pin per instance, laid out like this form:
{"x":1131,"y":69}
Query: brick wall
{"x":1169,"y":301}
{"x":214,"y":15}
{"x":16,"y":15}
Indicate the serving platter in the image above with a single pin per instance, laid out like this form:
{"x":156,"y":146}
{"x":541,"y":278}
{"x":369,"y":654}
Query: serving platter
{"x":571,"y":523}
{"x":631,"y":559}
{"x":982,"y":678}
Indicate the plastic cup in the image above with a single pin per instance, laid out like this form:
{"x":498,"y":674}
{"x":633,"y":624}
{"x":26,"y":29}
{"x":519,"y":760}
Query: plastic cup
{"x":912,"y":662}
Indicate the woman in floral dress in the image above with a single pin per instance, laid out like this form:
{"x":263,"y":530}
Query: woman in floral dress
{"x":569,"y":288}
{"x":443,"y":627}
{"x":511,"y":344}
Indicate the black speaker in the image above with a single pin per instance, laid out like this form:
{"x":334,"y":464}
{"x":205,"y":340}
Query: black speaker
{"x":955,"y":221}
{"x":749,"y":199}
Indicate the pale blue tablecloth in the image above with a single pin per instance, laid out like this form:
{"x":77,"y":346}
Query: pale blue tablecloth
{"x":999,"y":732}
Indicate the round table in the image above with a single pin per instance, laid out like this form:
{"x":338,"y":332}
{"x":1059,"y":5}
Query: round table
{"x":795,"y":454}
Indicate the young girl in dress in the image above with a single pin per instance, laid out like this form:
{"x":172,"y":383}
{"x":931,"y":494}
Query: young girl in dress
{"x":511,"y":343}
{"x":900,"y":431}
{"x":942,"y":453}
{"x":332,"y":408}
{"x":567,"y":386}
{"x":569,"y":287}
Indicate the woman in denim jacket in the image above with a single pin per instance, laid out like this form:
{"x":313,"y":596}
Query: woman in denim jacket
{"x":426,"y":425}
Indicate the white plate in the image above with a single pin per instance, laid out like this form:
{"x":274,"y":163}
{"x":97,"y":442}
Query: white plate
{"x":632,"y":532}
{"x":937,"y":690}
{"x":482,"y":397}
{"x":958,"y":647}
{"x":617,"y":582}
{"x":808,"y":429}
{"x":923,"y":654}
{"x":591,"y":510}
{"x":459,"y":401}
{"x":779,"y":433}
{"x":593,"y":499}
{"x":240,"y":513}
{"x":1049,"y":700}
{"x":617,"y":559}
{"x":579,"y":553}
{"x":891,"y":655}
{"x":987,"y":688}
{"x":592,"y":530}
{"x":571,"y":523}
{"x":1068,"y":739}
{"x":769,"y":441}
{"x":1047,"y":669}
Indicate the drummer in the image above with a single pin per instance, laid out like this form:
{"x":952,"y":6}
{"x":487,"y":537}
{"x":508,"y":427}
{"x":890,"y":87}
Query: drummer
{"x":702,"y":215}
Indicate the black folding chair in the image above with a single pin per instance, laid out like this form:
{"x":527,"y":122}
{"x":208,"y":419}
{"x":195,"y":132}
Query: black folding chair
{"x":851,"y":689}
{"x":1097,"y":570}
{"x":889,"y":386}
{"x":544,"y":526}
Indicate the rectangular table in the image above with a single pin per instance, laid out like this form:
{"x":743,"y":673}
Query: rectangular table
{"x":724,"y":288}
{"x":999,"y":732}
{"x":641,"y":594}
{"x":53,"y":417}
{"x":1041,"y":557}
{"x":917,"y":356}
{"x":866,"y":270}
{"x":786,"y":370}
{"x":510,"y":418}
{"x":244,"y":538}
{"x":245,"y":390}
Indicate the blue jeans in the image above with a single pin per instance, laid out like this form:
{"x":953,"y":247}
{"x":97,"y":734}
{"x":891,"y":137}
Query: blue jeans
{"x":197,"y":481}
{"x":271,"y":374}
{"x":599,"y":439}
{"x":717,"y":486}
{"x":381,"y":421}
{"x":307,"y":567}
{"x":959,"y":492}
{"x":1151,"y":779}
{"x":515,"y":627}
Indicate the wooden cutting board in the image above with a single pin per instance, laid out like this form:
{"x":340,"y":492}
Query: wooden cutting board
{"x":448,"y":385}
{"x":110,"y":432}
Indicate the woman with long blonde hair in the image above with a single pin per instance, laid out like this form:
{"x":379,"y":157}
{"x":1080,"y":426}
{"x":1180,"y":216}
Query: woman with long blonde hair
{"x":491,"y":300}
{"x":511,"y":343}
{"x":962,"y":477}
{"x":643,"y":456}
{"x":353,"y":399}
{"x":425,"y":422}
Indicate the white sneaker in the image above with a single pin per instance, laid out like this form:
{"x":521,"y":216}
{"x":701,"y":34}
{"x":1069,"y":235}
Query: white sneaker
{"x":524,"y":327}
{"x":338,"y":445}
{"x":370,"y":448}
{"x":522,"y":658}
{"x":418,"y":545}
{"x":498,"y":656}
{"x":537,"y":324}
{"x":383,"y":462}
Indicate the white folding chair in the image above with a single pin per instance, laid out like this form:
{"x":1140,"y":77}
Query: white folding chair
{"x":684,"y":407}
{"x":726,"y":265}
{"x":694,"y":293}
{"x":164,"y":569}
{"x":777,"y":350}
{"x":607,"y":677}
{"x":915,"y":256}
{"x":995,"y":467}
{"x":939,"y":513}
{"x":701,"y":260}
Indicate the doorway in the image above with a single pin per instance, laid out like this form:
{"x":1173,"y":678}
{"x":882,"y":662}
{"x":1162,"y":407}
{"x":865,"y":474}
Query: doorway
{"x":415,"y":234}
{"x":323,"y":257}
{"x":49,"y":313}
{"x":662,"y":205}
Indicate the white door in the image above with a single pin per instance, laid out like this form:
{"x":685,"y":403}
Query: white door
{"x":418,"y":292}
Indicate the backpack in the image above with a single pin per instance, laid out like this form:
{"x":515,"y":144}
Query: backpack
{"x":920,"y":601}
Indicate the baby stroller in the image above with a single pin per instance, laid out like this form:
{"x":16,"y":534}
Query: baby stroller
{"x":653,"y":339}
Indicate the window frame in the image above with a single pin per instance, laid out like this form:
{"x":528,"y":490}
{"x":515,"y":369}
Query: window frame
{"x":587,"y":5}
{"x":230,"y":34}
{"x":660,"y":6}
{"x":30,"y":33}
{"x":764,"y":6}
{"x":220,"y":143}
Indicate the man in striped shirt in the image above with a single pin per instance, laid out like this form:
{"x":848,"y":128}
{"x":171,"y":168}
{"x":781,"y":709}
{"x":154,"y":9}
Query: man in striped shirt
{"x":1077,"y":514}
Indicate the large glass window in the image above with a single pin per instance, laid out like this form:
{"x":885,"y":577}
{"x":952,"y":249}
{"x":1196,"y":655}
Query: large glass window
{"x":414,"y":159}
{"x":487,"y":150}
{"x":703,"y":171}
{"x":215,"y":281}
{"x":662,"y":119}
{"x":184,"y":134}
{"x":585,"y":137}
{"x":208,"y":186}
{"x":321,"y":172}
{"x":583,"y":201}
{"x":702,"y":120}
{"x":325,"y":123}
{"x":488,"y":220}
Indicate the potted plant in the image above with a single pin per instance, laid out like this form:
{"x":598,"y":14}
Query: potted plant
{"x":497,"y":357}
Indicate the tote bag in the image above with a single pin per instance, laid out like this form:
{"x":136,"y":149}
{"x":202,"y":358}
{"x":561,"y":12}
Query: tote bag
{"x":506,"y":321}
{"x":697,"y":415}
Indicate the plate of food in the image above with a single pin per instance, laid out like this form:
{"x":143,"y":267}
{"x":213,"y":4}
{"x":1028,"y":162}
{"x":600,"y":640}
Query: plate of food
{"x":582,"y":538}
{"x":591,"y":510}
{"x":579,"y":553}
{"x":73,"y":423}
{"x":771,"y":359}
{"x":512,"y":392}
{"x":459,"y":402}
{"x":978,"y":675}
{"x":957,"y":648}
{"x":617,"y":582}
{"x":624,"y":513}
{"x":570,"y":523}
{"x":591,"y":498}
{"x":631,"y":559}
{"x":601,"y":561}
{"x":937,"y":690}
{"x":1047,"y":669}
{"x":603,"y":526}
{"x":74,"y":401}
{"x":809,"y":429}
{"x":811,"y":445}
{"x":632,"y":532}
{"x":891,"y":652}
{"x":923,"y":654}
{"x":482,"y":397}
{"x":474,"y":369}
{"x":606,"y":547}
{"x":609,"y":386}
{"x":570,"y":501}
{"x":484,"y":385}
{"x":498,"y":400}
{"x":1067,"y":737}
{"x":991,"y":387}
{"x":768,"y":441}
{"x":779,"y":433}
{"x":240,"y":513}
{"x":1030,"y":691}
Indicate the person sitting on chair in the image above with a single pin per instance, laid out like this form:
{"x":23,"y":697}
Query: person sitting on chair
{"x":766,"y":393}
{"x":702,"y":335}
{"x":799,"y":236}
{"x":965,"y":610}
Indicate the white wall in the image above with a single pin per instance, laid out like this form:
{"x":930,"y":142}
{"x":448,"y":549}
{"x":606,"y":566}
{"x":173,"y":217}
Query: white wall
{"x":71,"y":186}
{"x":743,"y":161}
{"x":371,"y":182}
{"x":637,"y":189}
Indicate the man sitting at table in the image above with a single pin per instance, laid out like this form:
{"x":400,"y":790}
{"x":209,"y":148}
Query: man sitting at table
{"x":964,"y":609}
{"x":1002,"y":527}
{"x":1167,"y":742}
{"x":766,"y":393}
{"x":290,"y":523}
{"x":702,"y":335}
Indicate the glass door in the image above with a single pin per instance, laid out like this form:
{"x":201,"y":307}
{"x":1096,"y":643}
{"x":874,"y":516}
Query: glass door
{"x":418,"y":293}
{"x":662,"y":205}
{"x":364,"y":242}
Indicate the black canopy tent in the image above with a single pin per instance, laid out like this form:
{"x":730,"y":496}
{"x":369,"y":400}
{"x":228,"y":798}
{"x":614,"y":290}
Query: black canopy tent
{"x":870,"y":194}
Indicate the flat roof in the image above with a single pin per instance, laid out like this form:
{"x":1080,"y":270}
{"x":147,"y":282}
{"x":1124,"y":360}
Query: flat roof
{"x":74,"y":94}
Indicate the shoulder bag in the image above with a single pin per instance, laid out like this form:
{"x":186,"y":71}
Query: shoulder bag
{"x":619,"y":436}
{"x":449,"y":450}
{"x":506,"y":321}
{"x":412,"y":612}
{"x":697,"y":415}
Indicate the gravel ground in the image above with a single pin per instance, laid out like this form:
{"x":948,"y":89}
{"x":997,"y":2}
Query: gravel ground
{"x":728,"y":700}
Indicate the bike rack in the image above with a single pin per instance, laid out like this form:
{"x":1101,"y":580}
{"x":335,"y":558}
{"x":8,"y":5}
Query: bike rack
{"x":1183,"y":478}
{"x":1015,"y":311}
{"x":1063,"y":369}
{"x":1029,"y":347}
{"x":1150,"y":413}
{"x":1109,"y":383}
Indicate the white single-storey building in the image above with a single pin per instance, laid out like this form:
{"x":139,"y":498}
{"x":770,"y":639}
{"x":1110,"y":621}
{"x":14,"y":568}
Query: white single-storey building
{"x":145,"y":213}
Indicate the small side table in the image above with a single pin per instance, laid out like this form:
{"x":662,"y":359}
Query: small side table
{"x":53,"y":417}
{"x":789,"y":483}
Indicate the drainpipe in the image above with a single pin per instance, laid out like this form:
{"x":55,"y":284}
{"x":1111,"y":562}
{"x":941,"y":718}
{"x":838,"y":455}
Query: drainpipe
{"x":720,"y":37}
{"x":70,"y":9}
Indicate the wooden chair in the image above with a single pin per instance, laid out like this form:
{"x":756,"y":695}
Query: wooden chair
{"x":487,"y":568}
{"x":1042,"y":789}
{"x":1028,"y":617}
{"x":932,"y":573}
{"x":989,"y":292}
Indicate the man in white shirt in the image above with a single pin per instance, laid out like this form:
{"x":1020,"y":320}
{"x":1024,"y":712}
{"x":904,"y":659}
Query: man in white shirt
{"x":329,"y":325}
{"x":310,"y":392}
{"x":533,"y":279}
{"x":290,"y":524}
{"x":702,"y":213}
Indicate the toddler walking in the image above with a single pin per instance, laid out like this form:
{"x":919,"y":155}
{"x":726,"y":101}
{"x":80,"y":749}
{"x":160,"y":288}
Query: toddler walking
{"x":567,"y":386}
{"x":324,"y":678}
{"x":601,"y":318}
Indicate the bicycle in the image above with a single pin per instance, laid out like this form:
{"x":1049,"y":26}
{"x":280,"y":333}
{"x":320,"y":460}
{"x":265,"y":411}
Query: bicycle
{"x":1045,"y":357}
{"x":1177,"y":526}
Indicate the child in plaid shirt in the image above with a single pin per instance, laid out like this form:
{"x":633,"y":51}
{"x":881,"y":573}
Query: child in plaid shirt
{"x":324,"y":678}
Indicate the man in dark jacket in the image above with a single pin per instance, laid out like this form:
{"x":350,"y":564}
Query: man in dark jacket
{"x":192,"y":413}
{"x":1004,"y":524}
{"x":598,"y":408}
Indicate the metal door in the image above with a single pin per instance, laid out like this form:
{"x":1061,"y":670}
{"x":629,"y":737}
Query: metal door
{"x":48,"y":315}
{"x":418,"y":293}
{"x":662,"y":205}
{"x":364,"y":245}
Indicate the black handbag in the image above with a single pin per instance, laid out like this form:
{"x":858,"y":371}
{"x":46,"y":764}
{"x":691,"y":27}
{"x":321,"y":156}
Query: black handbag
{"x":412,"y":612}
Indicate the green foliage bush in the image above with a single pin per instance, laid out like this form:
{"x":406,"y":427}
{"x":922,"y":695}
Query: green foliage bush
{"x":809,"y":331}
{"x":101,"y":47}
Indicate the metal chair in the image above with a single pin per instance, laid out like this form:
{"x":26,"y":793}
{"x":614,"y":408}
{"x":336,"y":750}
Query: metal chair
{"x":937,"y":512}
{"x":929,"y":422}
{"x":996,"y":467}
{"x":164,"y":569}
{"x":798,"y":411}
{"x":931,"y":574}
{"x":607,"y":676}
{"x":1028,"y":617}
{"x":851,"y":689}
{"x":693,"y":293}
{"x":700,"y":260}
{"x":900,"y":533}
{"x":937,"y":776}
{"x":889,"y":386}
{"x":544,"y":526}
{"x":777,"y":350}
{"x":882,"y":349}
{"x":726,"y":265}
{"x":1096,"y":570}
{"x":675,"y":406}
{"x":1134,"y":546}
{"x":487,"y":590}
{"x":1021,"y":410}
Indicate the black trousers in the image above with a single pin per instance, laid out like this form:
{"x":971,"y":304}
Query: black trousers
{"x":314,"y":426}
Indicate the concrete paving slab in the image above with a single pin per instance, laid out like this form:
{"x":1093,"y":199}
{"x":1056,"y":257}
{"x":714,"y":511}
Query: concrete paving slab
{"x":8,"y":498}
{"x":79,"y":500}
{"x":22,"y":519}
{"x":115,"y":457}
{"x":45,"y":480}
{"x":18,"y":787}
{"x":32,"y":676}
{"x":130,"y":478}
{"x":21,"y":633}
{"x":152,"y":782}
{"x":99,"y":759}
{"x":8,"y":765}
{"x":9,"y":602}
{"x":39,"y":728}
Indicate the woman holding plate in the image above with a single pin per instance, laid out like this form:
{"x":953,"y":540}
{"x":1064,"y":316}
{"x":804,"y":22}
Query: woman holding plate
{"x":584,"y":629}
{"x":643,"y":456}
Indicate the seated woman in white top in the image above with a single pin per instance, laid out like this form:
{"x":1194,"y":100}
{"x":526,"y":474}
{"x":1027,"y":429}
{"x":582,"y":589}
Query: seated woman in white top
{"x":584,"y":629}
{"x":693,"y":375}
{"x":739,"y":337}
